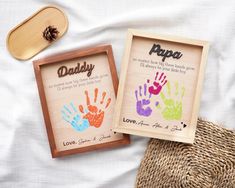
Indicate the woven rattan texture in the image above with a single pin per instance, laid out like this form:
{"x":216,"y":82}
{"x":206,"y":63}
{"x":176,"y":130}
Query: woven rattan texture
{"x":208,"y":163}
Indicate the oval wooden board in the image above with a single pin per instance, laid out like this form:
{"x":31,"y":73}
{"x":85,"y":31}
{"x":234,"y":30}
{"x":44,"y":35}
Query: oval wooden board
{"x":26,"y":39}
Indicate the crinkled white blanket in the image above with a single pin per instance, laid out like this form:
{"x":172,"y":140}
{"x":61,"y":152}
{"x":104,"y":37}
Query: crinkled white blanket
{"x":25,"y":159}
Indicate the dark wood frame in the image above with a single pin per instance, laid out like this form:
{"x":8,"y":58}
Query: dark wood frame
{"x":64,"y":57}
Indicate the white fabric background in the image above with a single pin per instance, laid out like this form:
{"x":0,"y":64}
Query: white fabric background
{"x":24,"y":152}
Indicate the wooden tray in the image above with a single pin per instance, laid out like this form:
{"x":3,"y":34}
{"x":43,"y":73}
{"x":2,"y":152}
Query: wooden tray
{"x":26,"y":40}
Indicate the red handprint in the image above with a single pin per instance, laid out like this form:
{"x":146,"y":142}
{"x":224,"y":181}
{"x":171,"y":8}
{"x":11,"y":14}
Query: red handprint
{"x":94,"y":115}
{"x":160,"y":81}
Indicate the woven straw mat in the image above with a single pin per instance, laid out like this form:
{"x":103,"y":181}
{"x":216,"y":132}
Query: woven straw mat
{"x":208,"y":163}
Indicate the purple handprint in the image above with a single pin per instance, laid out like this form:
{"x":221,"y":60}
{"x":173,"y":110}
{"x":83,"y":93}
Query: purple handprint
{"x":160,"y":81}
{"x":142,"y":107}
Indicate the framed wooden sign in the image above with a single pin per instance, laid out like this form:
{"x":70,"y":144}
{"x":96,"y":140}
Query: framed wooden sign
{"x":78,"y":92}
{"x":160,"y":86}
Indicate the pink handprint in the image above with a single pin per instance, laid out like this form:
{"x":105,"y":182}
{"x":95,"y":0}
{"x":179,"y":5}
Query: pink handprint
{"x":158,"y":83}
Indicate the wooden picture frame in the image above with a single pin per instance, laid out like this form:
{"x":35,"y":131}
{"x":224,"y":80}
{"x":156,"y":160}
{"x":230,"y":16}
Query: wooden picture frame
{"x":88,"y":76}
{"x":160,"y":86}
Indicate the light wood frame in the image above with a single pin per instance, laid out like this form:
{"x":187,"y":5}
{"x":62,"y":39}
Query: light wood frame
{"x":107,"y":49}
{"x":123,"y":77}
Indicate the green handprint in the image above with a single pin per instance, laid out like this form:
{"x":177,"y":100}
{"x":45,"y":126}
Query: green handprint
{"x":172,"y":104}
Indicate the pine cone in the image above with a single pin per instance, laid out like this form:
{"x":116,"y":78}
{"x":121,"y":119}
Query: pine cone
{"x":50,"y":33}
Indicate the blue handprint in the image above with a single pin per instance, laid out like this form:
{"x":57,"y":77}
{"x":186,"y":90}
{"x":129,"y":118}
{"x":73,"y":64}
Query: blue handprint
{"x":70,"y":115}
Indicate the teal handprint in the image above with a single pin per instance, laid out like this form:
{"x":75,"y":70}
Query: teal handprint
{"x":172,"y":109}
{"x":71,"y":116}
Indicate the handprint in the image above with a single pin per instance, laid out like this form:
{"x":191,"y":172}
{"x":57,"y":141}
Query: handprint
{"x":173,"y":105}
{"x":94,"y":115}
{"x":160,"y":81}
{"x":70,"y":115}
{"x":142,"y":104}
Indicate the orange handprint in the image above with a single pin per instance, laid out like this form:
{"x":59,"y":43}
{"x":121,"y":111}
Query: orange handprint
{"x":93,"y":114}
